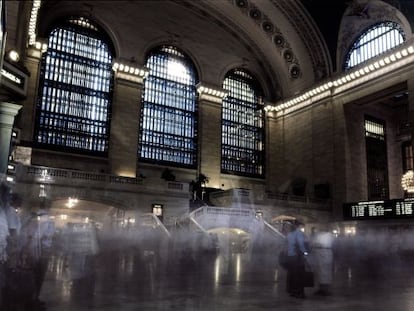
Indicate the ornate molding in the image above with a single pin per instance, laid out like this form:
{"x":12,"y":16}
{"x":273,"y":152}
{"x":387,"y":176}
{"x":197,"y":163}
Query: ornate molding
{"x":304,"y":28}
{"x":273,"y":33}
{"x":236,"y":31}
{"x":211,"y":94}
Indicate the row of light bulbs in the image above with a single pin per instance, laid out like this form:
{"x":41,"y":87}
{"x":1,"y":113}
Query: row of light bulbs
{"x":388,"y":60}
{"x":218,"y":93}
{"x":33,"y":21}
{"x":210,"y":91}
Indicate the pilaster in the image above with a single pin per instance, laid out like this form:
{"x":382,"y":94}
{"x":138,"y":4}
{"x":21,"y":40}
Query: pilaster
{"x":410,"y":90}
{"x":210,"y":104}
{"x":8,"y":111}
{"x":123,"y":144}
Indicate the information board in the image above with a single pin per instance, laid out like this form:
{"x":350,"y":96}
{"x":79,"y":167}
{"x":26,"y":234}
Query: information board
{"x":398,"y":208}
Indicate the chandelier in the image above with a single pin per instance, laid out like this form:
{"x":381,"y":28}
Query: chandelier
{"x":407,"y":181}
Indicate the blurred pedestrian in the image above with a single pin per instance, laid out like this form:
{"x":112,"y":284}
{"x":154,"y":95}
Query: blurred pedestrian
{"x":322,"y":255}
{"x":297,"y":251}
{"x":4,"y":234}
{"x":36,"y":239}
{"x":9,"y":226}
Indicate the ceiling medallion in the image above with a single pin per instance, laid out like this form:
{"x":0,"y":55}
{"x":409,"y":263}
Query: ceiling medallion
{"x":241,"y":3}
{"x":294,"y":71}
{"x":267,"y":26}
{"x":255,"y":14}
{"x":288,"y":55}
{"x":278,"y":40}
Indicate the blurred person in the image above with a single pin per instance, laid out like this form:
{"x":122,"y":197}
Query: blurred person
{"x":322,"y":254}
{"x":36,"y":236}
{"x":4,"y":234}
{"x":80,"y":247}
{"x":281,"y":250}
{"x":296,"y":251}
{"x":9,"y":227}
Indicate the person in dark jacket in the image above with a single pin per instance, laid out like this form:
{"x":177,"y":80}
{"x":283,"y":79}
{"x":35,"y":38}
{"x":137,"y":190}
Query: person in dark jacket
{"x":296,"y":251}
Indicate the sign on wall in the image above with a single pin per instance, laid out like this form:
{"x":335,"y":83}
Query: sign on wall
{"x":387,"y":209}
{"x":14,"y":79}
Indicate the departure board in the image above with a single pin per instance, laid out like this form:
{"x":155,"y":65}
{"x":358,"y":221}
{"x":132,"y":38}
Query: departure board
{"x":398,"y":208}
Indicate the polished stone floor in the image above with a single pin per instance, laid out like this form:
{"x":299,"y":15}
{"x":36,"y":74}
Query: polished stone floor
{"x":125,"y":277}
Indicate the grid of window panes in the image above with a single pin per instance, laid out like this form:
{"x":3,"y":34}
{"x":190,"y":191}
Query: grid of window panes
{"x":76,"y":88}
{"x":374,"y":129}
{"x":168,"y":123}
{"x":377,"y":164}
{"x":375,"y":41}
{"x":242,"y":126}
{"x":407,"y":156}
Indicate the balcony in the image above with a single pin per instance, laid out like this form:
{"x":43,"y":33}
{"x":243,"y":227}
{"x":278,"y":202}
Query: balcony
{"x":28,"y":174}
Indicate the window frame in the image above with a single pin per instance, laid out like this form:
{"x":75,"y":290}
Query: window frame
{"x":176,"y":99}
{"x":235,"y":156}
{"x":376,"y":160}
{"x":61,"y":101}
{"x":358,"y":43}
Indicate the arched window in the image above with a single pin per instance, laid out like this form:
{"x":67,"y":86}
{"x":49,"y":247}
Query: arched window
{"x":168,"y":123}
{"x":73,"y":107}
{"x":242,"y":151}
{"x":375,"y":41}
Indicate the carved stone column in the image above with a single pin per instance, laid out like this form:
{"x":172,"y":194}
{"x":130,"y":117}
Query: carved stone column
{"x":410,"y":89}
{"x":8,"y":111}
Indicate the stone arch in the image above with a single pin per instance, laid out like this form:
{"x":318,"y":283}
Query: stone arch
{"x":354,"y":23}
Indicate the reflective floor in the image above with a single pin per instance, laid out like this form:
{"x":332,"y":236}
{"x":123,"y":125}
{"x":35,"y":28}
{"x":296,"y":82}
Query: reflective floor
{"x":125,"y":277}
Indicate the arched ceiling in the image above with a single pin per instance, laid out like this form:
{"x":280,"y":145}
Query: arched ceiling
{"x":327,"y":15}
{"x":276,"y":40}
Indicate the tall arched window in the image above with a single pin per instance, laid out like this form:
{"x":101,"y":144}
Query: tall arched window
{"x":375,"y":41}
{"x":73,"y":108}
{"x":168,"y":123}
{"x":242,"y":151}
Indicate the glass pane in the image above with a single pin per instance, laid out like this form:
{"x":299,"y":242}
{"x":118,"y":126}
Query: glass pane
{"x":74,"y":101}
{"x":242,"y":126}
{"x":374,"y":42}
{"x":169,"y":105}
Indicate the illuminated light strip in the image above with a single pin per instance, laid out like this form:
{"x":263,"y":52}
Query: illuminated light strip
{"x":388,"y":63}
{"x":210,"y":91}
{"x":130,"y":70}
{"x":211,"y":94}
{"x":33,"y":22}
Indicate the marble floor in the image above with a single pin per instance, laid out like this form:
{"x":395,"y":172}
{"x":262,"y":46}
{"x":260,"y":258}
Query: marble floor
{"x":127,"y":278}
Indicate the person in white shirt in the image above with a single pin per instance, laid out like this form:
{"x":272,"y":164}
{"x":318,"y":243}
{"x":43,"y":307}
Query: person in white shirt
{"x":322,"y":254}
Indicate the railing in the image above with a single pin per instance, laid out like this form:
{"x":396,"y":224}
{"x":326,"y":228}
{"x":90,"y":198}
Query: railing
{"x":227,"y":197}
{"x":241,"y":218}
{"x":274,"y":230}
{"x":222,"y":211}
{"x":322,"y":203}
{"x":150,"y":219}
{"x":48,"y":175}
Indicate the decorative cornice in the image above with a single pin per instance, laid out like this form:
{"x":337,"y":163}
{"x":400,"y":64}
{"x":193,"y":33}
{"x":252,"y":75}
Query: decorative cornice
{"x":236,"y":31}
{"x":377,"y":67}
{"x":211,"y":94}
{"x":130,"y":73}
{"x":293,"y":11}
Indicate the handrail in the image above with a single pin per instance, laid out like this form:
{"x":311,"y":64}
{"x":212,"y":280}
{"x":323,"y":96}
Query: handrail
{"x":198,"y":225}
{"x":156,"y":220}
{"x":274,"y":229}
{"x":47,"y":174}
